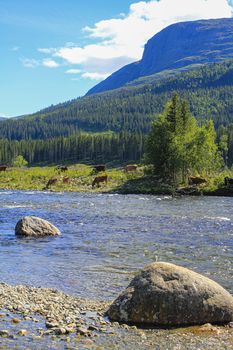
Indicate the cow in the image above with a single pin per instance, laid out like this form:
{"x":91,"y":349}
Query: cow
{"x":50,"y":183}
{"x":99,"y":179}
{"x":196,"y":180}
{"x":228,"y":181}
{"x":131,"y":167}
{"x":61,"y":168}
{"x":3,"y":167}
{"x":66,"y":180}
{"x":98,"y":168}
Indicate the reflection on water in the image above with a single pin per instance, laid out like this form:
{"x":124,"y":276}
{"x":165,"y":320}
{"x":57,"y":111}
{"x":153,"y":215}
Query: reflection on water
{"x":107,"y":238}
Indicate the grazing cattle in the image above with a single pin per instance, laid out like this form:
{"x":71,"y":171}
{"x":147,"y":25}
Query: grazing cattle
{"x":99,"y":179}
{"x":196,"y":180}
{"x":228,"y":181}
{"x":66,"y":180}
{"x":132,"y":167}
{"x":61,"y":168}
{"x":100,"y":167}
{"x":50,"y":183}
{"x":3,"y":167}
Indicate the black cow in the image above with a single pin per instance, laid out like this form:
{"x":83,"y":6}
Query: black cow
{"x":3,"y":167}
{"x":61,"y":168}
{"x":99,"y":167}
{"x":228,"y":181}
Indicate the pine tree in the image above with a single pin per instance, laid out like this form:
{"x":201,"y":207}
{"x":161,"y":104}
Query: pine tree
{"x":176,"y":145}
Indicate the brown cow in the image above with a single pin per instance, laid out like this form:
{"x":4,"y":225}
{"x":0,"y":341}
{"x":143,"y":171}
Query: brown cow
{"x":98,"y":168}
{"x":51,"y":182}
{"x":196,"y":180}
{"x":66,"y":180}
{"x":131,"y":167}
{"x":99,"y":179}
{"x":3,"y":167}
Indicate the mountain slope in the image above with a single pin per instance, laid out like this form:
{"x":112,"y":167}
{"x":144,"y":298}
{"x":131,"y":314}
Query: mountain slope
{"x":209,"y":90}
{"x":177,"y":46}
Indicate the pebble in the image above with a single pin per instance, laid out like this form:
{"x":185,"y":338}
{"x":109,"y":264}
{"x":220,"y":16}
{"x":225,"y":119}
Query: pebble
{"x":60,"y":331}
{"x":22,"y":332}
{"x":60,"y":315}
{"x":83,"y":331}
{"x":4,"y":333}
{"x":93,"y":328}
{"x":51,"y":324}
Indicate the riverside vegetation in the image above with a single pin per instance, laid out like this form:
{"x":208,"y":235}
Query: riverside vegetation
{"x":80,"y":177}
{"x":175,"y":148}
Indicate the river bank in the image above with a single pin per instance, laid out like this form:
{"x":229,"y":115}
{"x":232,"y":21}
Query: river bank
{"x":79,"y":178}
{"x":46,"y":318}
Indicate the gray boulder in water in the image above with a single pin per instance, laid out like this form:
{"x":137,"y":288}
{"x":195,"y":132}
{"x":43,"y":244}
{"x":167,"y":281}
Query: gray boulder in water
{"x":32,"y":226}
{"x":164,"y":294}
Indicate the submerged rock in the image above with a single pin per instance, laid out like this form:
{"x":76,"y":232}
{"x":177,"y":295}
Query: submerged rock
{"x":33,"y":226}
{"x":164,"y":294}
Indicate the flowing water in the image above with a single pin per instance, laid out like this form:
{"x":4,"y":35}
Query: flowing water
{"x":106,"y":238}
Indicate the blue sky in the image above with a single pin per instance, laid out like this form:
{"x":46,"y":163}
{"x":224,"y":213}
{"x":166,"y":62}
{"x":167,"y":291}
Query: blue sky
{"x":55,"y":50}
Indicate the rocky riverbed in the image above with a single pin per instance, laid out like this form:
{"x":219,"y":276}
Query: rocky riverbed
{"x":41,"y":318}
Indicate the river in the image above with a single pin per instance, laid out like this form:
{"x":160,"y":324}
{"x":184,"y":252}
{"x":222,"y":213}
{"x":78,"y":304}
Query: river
{"x":106,"y":238}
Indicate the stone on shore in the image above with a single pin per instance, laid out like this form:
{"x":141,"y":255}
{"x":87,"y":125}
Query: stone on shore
{"x":32,"y":226}
{"x":163,"y":294}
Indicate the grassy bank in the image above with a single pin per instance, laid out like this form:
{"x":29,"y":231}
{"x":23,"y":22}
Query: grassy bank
{"x":79,"y":178}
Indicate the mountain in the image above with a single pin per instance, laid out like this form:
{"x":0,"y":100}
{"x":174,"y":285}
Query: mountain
{"x":111,"y":126}
{"x":208,"y":88}
{"x":179,"y":45}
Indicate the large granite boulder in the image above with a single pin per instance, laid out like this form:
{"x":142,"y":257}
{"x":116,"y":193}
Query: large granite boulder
{"x":32,"y":226}
{"x":164,"y":294}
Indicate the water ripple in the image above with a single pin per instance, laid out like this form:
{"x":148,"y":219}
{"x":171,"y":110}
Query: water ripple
{"x":107,"y":238}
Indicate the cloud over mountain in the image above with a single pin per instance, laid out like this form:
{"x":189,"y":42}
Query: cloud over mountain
{"x":119,"y":41}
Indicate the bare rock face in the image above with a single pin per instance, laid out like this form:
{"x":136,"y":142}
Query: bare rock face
{"x":164,"y":294}
{"x":32,"y":226}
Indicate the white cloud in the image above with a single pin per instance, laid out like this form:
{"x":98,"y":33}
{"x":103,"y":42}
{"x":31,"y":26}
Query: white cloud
{"x":33,"y":63}
{"x":45,"y":50}
{"x":73,"y":71}
{"x":94,"y":76}
{"x":47,"y":62}
{"x":30,"y":62}
{"x":119,"y":41}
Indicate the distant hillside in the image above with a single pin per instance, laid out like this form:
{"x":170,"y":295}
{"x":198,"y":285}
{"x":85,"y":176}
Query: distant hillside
{"x":179,"y":45}
{"x":209,"y":90}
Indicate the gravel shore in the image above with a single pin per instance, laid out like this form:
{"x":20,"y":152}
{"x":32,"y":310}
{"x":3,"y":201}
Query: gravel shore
{"x":42,"y":318}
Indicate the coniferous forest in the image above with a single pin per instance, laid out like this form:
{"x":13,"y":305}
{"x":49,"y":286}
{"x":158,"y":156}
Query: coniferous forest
{"x":113,"y":125}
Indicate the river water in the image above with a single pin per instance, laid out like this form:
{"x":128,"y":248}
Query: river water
{"x":106,"y":238}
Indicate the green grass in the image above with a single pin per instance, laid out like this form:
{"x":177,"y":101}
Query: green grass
{"x":81,"y":177}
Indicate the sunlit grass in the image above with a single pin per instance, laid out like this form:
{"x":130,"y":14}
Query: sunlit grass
{"x":80,"y":178}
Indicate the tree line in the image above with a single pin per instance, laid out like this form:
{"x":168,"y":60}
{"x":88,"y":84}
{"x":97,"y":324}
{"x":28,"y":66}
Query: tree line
{"x":90,"y":148}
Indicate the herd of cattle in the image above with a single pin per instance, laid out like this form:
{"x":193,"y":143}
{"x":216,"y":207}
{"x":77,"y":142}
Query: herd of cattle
{"x":96,"y":169}
{"x":192,"y":180}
